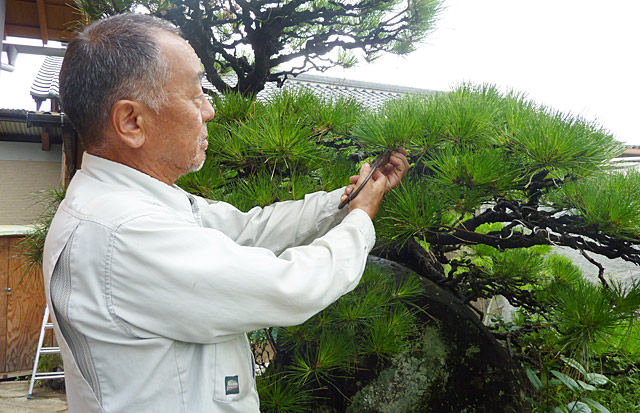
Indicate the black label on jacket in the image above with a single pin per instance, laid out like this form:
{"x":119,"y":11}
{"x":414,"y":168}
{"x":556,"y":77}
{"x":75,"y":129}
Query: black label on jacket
{"x":231,"y":385}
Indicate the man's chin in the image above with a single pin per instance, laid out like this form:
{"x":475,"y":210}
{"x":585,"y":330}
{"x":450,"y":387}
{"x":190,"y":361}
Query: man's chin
{"x":196,"y":166}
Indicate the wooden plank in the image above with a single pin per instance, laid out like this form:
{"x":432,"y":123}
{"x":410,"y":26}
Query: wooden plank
{"x":24,"y":311}
{"x":42,"y":19}
{"x":12,"y":374}
{"x":61,"y":35}
{"x":22,"y":13}
{"x":22,"y":31}
{"x":46,"y":142}
{"x":62,"y":16}
{"x":4,"y":275}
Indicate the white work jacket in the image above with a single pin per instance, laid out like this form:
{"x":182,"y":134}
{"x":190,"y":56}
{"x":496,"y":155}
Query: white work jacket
{"x":153,"y":289}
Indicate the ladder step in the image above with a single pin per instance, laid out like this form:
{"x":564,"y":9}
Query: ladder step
{"x":49,"y":375}
{"x":46,"y":324}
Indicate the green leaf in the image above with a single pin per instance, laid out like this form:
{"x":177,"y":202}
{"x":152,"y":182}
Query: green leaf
{"x":533,"y":378}
{"x":573,"y":363}
{"x":567,"y":381}
{"x":578,"y":407}
{"x":394,"y":124}
{"x":596,"y":405}
{"x":597,"y":379}
{"x":586,"y":386}
{"x":608,"y":202}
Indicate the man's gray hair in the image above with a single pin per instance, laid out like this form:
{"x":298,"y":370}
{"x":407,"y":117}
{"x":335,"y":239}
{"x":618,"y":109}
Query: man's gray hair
{"x":112,"y":59}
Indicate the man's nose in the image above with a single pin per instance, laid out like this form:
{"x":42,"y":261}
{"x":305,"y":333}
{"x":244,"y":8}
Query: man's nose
{"x":207,"y":111}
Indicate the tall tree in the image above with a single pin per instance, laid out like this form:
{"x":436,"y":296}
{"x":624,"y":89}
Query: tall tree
{"x":497,"y":182}
{"x":255,"y":39}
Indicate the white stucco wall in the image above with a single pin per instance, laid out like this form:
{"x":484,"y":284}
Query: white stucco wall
{"x":25,"y":171}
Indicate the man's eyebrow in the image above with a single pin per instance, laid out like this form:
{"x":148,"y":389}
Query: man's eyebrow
{"x":200,"y":75}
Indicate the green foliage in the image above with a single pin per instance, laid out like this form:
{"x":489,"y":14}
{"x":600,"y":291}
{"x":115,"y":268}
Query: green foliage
{"x":360,"y":333}
{"x":496,"y":182}
{"x":488,"y":171}
{"x":587,"y":313}
{"x":471,"y":148}
{"x":394,"y":124}
{"x":322,"y":361}
{"x":33,"y":244}
{"x":332,"y":116}
{"x":207,"y":181}
{"x":521,"y":264}
{"x":561,"y":143}
{"x":608,"y":202}
{"x":279,"y":395}
{"x":411,"y":210}
{"x":577,"y":387}
{"x":233,"y":107}
{"x":283,"y":141}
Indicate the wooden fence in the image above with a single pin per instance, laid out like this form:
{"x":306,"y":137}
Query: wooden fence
{"x":21,"y":308}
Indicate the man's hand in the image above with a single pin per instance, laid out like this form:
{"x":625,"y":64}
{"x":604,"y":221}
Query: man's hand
{"x":396,"y":169}
{"x":371,"y":194}
{"x":392,"y":172}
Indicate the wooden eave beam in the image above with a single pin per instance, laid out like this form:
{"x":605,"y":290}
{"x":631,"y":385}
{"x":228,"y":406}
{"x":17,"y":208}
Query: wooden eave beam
{"x":46,"y":142}
{"x":42,"y":18}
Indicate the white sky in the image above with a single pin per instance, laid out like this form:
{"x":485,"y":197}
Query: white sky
{"x":578,"y":56}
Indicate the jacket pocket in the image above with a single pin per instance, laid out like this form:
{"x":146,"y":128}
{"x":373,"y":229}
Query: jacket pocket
{"x":233,"y":374}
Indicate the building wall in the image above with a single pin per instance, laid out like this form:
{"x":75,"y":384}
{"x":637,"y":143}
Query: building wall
{"x":25,"y":171}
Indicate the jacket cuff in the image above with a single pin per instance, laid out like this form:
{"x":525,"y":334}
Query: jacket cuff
{"x":361,"y":220}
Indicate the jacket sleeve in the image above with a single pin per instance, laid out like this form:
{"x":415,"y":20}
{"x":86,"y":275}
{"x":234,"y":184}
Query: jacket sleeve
{"x":170,"y":278}
{"x":277,"y":226}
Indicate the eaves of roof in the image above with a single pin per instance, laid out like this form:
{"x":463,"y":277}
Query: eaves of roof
{"x":40,"y":19}
{"x":28,"y":126}
{"x":370,"y":94}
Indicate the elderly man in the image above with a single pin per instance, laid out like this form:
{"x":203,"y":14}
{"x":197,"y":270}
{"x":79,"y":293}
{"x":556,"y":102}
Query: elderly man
{"x":153,"y":289}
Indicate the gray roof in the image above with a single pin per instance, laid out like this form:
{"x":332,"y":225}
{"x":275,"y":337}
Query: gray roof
{"x":45,"y":86}
{"x":369,"y":94}
{"x":19,"y":125}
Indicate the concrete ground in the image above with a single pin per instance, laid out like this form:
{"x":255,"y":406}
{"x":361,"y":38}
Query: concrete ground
{"x":13,"y":398}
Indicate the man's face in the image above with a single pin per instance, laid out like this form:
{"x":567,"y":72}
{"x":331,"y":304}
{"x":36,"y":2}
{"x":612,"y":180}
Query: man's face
{"x":178,"y":131}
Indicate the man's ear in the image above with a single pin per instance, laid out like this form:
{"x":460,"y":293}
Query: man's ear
{"x":127,"y":121}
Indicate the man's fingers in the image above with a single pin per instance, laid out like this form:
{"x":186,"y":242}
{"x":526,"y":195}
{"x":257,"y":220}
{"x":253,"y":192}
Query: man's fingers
{"x":399,"y":160}
{"x":347,"y":191}
{"x":364,"y":171}
{"x":379,"y":178}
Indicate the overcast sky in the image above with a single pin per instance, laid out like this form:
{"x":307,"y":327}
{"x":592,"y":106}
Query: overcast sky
{"x":578,"y":56}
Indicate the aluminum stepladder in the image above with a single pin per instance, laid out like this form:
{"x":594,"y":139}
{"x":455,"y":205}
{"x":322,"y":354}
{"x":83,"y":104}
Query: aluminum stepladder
{"x":46,"y":325}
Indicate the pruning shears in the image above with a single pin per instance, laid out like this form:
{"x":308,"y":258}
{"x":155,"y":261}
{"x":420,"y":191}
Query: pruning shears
{"x":380,"y":161}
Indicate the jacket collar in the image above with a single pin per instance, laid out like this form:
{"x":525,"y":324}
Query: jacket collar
{"x":115,"y":173}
